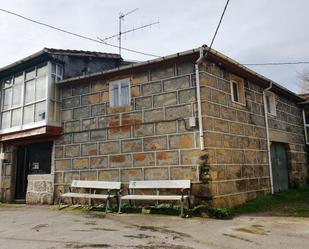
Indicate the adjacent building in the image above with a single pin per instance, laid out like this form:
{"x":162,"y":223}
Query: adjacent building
{"x":195,"y":115}
{"x":30,"y":115}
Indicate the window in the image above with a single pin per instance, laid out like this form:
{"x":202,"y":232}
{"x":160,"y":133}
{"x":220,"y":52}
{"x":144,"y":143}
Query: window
{"x":119,"y":92}
{"x":235,"y":92}
{"x":238,"y":91}
{"x":29,"y":96}
{"x":270,"y":99}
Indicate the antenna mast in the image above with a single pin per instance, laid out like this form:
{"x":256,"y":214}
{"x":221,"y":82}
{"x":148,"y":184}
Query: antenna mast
{"x":120,"y":33}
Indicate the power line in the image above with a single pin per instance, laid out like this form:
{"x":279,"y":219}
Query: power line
{"x":213,"y":38}
{"x":276,"y":63}
{"x":75,"y":34}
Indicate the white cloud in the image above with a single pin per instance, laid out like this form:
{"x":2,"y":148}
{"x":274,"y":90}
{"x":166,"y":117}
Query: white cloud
{"x":252,"y":31}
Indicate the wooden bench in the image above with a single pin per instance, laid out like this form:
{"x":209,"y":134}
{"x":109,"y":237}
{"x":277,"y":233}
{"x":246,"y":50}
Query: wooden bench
{"x":183,"y":185}
{"x":92,"y":187}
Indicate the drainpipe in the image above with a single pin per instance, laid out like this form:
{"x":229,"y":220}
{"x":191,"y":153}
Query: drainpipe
{"x":305,"y":130}
{"x":198,"y":96}
{"x":267,"y":137}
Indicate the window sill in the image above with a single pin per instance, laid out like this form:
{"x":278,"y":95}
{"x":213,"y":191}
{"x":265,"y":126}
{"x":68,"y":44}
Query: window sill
{"x":118,"y":109}
{"x":239,"y":103}
{"x":272,"y":115}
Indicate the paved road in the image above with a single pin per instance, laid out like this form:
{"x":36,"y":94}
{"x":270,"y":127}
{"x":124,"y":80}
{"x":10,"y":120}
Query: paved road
{"x":33,"y":227}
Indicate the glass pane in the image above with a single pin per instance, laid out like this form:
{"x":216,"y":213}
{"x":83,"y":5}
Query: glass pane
{"x":307,"y":117}
{"x":7,"y":98}
{"x":17,"y":95}
{"x":30,"y":74}
{"x":268,"y":104}
{"x":40,"y":88}
{"x":125,"y":98}
{"x":6,"y":120}
{"x":29,"y":92}
{"x":115,"y":96}
{"x":52,"y":90}
{"x":28,"y":114}
{"x":235,"y":92}
{"x":16,"y":117}
{"x":51,"y":111}
{"x":57,"y":112}
{"x":41,"y":70}
{"x":59,"y":70}
{"x":7,"y":82}
{"x":18,"y":79}
{"x":40,"y":111}
{"x":57,"y":93}
{"x":53,"y":68}
{"x":53,"y":78}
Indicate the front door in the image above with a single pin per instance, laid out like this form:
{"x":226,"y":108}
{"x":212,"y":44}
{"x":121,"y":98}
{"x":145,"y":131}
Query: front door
{"x":22,"y":171}
{"x":279,"y":164}
{"x":31,"y":159}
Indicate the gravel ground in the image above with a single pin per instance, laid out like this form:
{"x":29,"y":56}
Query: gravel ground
{"x":33,"y":227}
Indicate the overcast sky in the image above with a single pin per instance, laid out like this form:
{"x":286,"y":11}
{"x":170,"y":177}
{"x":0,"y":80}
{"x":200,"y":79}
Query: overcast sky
{"x":254,"y":31}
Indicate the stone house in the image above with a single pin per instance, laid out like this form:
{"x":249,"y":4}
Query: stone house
{"x":195,"y":115}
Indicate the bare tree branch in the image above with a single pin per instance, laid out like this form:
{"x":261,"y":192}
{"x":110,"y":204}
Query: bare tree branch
{"x":304,"y":81}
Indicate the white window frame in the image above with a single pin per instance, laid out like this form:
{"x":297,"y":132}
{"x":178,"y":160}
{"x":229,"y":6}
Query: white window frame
{"x":239,"y":102}
{"x":118,"y":83}
{"x":47,"y":99}
{"x":272,"y":103}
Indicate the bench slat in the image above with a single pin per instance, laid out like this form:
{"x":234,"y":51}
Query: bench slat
{"x":96,"y":184}
{"x":154,"y":197}
{"x":76,"y":195}
{"x":84,"y":195}
{"x":160,"y":184}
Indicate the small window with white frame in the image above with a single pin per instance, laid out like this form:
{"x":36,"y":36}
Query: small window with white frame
{"x":120,"y":93}
{"x":238,"y":92}
{"x":270,"y":99}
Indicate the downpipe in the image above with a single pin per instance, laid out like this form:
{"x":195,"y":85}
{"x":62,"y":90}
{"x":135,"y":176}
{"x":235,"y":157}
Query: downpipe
{"x":198,"y":96}
{"x":268,"y":138}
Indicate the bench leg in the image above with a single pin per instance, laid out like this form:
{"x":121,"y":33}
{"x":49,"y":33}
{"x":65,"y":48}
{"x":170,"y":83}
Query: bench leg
{"x":59,"y":201}
{"x":181,"y":208}
{"x":117,"y":201}
{"x":189,"y":203}
{"x":119,"y":208}
{"x":106,"y":205}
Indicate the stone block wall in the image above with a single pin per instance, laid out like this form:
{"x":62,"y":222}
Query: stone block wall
{"x":7,"y":186}
{"x":287,"y":127}
{"x":235,"y":138}
{"x":147,"y":140}
{"x":40,"y":189}
{"x":150,"y":139}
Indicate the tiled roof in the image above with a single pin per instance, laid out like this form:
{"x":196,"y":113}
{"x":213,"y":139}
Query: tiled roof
{"x":81,"y":53}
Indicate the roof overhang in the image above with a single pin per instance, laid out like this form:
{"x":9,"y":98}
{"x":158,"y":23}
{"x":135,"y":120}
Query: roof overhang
{"x":50,"y":54}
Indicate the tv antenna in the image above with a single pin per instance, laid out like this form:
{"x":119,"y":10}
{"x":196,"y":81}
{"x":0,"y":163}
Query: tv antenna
{"x":120,"y":33}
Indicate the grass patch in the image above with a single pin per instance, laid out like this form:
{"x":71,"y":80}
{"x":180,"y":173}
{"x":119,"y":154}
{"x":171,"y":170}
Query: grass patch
{"x":294,"y":203}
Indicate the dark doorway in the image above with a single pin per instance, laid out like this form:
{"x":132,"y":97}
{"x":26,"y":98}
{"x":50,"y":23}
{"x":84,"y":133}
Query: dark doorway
{"x":31,"y":159}
{"x":279,"y":164}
